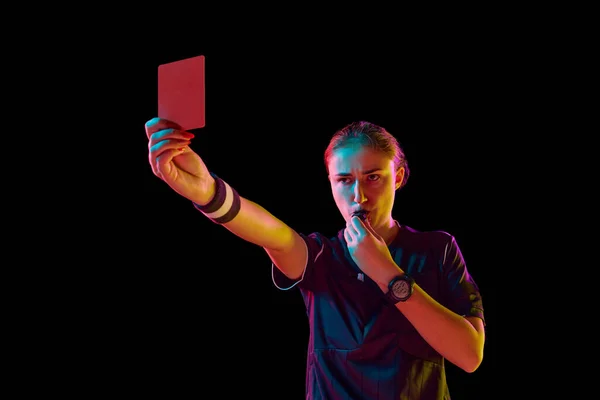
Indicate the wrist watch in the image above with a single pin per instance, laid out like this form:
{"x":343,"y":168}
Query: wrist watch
{"x":400,"y":288}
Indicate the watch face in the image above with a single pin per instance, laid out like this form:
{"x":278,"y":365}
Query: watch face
{"x":401,"y":289}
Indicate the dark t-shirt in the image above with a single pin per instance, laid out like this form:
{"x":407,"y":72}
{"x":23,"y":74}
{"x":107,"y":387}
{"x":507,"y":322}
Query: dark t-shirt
{"x":362,"y":347}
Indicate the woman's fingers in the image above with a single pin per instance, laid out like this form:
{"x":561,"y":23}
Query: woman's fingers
{"x":158,"y":124}
{"x":168,"y":134}
{"x":164,"y":165}
{"x":163,"y":152}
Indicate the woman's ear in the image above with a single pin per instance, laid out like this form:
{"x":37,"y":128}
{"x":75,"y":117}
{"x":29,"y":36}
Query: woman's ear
{"x":399,"y":177}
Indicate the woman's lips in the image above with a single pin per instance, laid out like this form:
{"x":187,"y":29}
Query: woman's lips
{"x":362,"y":214}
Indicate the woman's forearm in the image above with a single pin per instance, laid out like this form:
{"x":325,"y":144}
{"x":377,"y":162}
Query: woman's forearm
{"x":450,"y":334}
{"x":255,"y":224}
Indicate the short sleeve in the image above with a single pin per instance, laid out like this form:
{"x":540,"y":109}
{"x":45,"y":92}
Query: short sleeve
{"x":314,"y":247}
{"x":462,"y":293}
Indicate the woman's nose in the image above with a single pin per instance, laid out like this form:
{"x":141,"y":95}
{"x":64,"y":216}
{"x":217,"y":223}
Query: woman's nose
{"x":359,"y":193}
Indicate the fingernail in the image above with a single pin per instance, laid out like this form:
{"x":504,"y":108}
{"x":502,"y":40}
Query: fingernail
{"x":152,"y":121}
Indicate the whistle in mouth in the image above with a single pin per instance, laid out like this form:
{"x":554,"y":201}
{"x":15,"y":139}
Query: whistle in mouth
{"x":360,"y":214}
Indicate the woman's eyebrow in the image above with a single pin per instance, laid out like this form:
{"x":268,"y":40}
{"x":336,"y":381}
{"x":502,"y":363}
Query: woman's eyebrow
{"x":367,"y":172}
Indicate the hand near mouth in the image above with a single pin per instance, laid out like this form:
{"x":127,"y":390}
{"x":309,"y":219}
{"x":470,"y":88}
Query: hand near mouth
{"x":367,"y":248}
{"x":362,"y":214}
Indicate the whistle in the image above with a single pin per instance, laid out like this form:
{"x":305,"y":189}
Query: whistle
{"x":362,"y":214}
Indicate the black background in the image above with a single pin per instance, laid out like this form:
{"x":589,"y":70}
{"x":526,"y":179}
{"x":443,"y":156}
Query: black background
{"x":175,"y":305}
{"x":127,"y":290}
{"x":200,"y":301}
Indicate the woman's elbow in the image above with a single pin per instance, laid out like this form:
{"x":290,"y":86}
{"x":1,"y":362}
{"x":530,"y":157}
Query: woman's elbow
{"x":473,"y":357}
{"x":471,"y":362}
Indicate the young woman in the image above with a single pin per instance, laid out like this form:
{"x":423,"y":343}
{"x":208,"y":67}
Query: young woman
{"x":386,"y":304}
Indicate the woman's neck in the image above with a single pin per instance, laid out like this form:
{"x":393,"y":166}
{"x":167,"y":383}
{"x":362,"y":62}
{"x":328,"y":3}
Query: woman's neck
{"x":389,"y":232}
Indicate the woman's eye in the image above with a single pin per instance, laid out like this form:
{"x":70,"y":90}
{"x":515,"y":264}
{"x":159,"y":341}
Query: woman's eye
{"x":371,"y":178}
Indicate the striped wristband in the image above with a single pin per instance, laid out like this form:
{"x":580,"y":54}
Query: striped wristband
{"x":225,"y":204}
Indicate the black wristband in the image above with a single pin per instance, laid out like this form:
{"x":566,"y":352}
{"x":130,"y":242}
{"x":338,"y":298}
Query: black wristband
{"x":225,"y":204}
{"x":218,"y":199}
{"x":233,"y":211}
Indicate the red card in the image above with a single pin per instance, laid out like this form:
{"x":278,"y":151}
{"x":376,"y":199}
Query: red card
{"x":181,"y":92}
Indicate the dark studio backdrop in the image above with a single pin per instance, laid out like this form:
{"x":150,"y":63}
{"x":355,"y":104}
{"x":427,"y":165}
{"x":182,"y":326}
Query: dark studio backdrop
{"x":197,"y":310}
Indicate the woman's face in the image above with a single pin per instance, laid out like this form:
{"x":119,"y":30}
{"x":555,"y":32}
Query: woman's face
{"x":364,"y":179}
